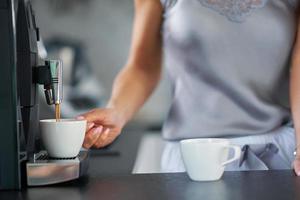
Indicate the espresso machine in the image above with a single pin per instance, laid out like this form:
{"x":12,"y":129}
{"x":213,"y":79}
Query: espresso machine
{"x":23,"y":161}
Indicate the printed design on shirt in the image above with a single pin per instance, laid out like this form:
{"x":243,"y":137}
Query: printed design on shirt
{"x":238,"y":10}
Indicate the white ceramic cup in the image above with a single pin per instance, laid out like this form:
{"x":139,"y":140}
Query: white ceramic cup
{"x":63,"y":138}
{"x":205,"y":159}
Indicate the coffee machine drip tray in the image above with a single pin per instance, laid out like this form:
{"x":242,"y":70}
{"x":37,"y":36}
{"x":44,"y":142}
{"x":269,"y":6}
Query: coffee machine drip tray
{"x":42,"y":170}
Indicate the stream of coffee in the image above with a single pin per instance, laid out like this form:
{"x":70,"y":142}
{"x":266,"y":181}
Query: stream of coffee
{"x":57,"y":112}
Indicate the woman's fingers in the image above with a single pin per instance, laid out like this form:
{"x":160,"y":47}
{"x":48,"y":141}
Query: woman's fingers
{"x":89,"y":126}
{"x":102,"y":139}
{"x":92,"y":136}
{"x":104,"y":117}
{"x":96,"y":115}
{"x":296,"y":166}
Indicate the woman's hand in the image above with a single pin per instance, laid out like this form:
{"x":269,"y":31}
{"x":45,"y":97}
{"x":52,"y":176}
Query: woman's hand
{"x":103,"y":127}
{"x":296,"y":165}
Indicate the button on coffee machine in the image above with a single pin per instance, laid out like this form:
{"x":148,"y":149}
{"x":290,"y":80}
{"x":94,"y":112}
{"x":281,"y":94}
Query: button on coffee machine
{"x":23,"y":161}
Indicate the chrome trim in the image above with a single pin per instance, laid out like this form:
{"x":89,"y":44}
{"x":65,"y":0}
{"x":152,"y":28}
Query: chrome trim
{"x":50,"y":171}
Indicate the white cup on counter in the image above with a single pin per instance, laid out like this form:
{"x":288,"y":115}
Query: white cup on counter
{"x":205,"y":159}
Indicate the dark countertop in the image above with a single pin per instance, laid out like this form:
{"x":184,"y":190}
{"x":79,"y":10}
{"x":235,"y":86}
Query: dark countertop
{"x":118,"y":158}
{"x":110,"y":177}
{"x":264,"y":185}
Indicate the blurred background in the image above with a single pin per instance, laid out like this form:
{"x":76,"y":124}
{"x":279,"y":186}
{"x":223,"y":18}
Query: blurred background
{"x":92,"y":38}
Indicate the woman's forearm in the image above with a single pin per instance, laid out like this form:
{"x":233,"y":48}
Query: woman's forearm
{"x":295,"y":91}
{"x":139,"y":77}
{"x":131,"y":89}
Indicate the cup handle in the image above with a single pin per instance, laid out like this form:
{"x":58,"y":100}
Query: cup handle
{"x":237,"y":154}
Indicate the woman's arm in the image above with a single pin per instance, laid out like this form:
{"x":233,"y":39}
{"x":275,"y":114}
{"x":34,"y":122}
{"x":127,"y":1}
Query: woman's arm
{"x":141,"y":74}
{"x":135,"y":82}
{"x":295,"y":96}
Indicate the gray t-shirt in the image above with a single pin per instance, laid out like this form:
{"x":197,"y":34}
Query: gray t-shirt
{"x":229,"y":63}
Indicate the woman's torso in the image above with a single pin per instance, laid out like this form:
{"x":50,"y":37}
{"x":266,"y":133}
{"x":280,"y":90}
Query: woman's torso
{"x":229,"y":66}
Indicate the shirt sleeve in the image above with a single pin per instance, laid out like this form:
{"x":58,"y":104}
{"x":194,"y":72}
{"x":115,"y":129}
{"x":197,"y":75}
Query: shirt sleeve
{"x":167,"y":4}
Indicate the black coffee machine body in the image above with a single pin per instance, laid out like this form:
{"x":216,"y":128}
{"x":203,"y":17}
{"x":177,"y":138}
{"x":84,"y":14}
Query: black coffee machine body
{"x":22,"y":159}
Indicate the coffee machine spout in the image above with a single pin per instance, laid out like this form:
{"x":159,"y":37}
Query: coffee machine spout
{"x":50,"y":75}
{"x":54,"y":91}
